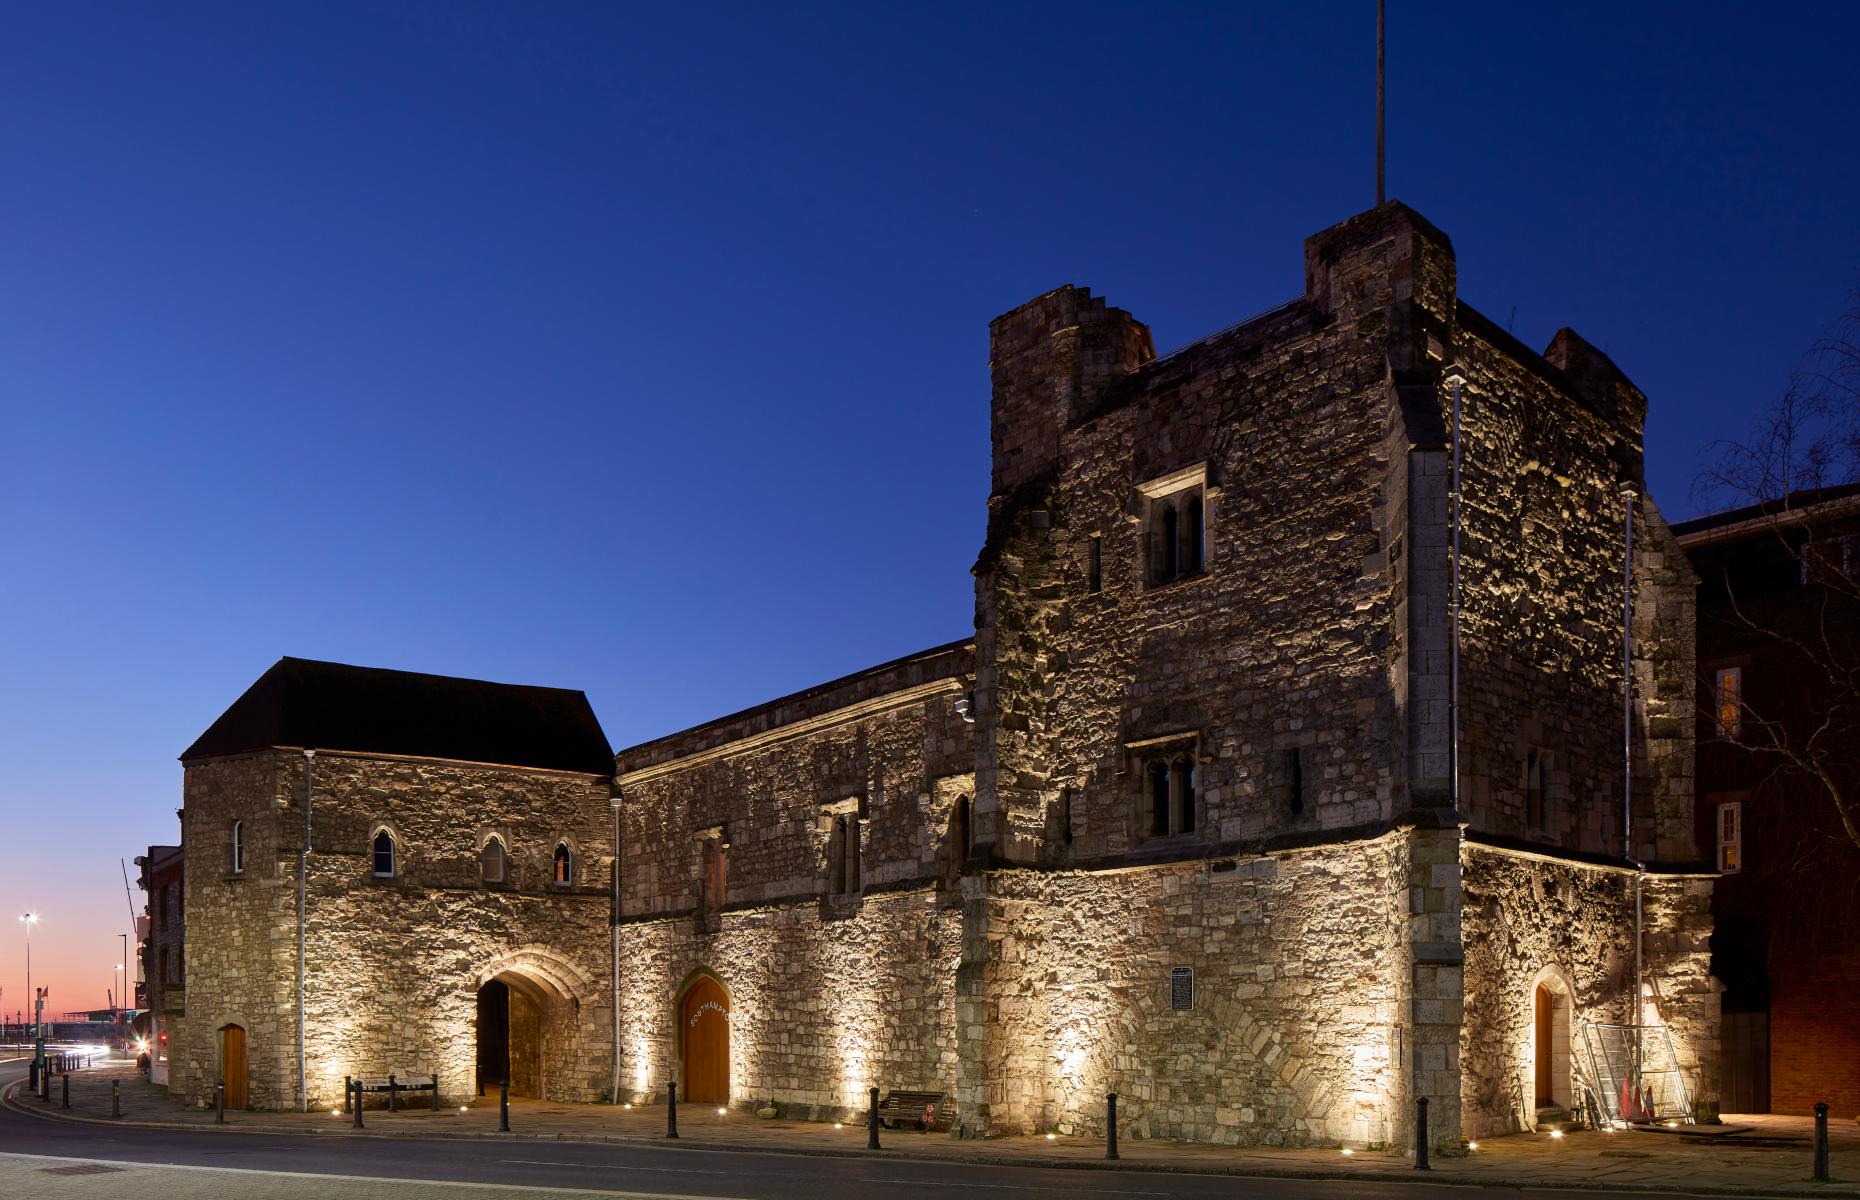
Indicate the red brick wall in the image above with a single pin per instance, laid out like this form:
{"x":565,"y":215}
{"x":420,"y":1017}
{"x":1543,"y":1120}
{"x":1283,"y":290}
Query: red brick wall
{"x":1815,"y":1031}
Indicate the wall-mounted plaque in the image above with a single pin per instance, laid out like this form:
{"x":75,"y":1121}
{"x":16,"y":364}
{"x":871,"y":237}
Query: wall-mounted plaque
{"x":1182,"y":988}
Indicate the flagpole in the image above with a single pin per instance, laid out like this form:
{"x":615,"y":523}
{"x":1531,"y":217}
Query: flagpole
{"x":1381,"y":118}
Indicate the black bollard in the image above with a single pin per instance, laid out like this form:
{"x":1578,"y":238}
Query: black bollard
{"x":65,"y":1082}
{"x":435,"y":1092}
{"x":503,"y":1107}
{"x":1821,"y":1143}
{"x":116,"y":1097}
{"x":348,"y":1081}
{"x":219,"y":1103}
{"x":1110,"y":1124}
{"x":671,"y":1108}
{"x":871,"y":1123}
{"x":393,"y":1093}
{"x":1420,"y":1133}
{"x":358,"y":1104}
{"x":32,"y":1076}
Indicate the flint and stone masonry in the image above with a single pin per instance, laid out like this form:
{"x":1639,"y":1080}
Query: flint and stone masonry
{"x":1177,"y":822}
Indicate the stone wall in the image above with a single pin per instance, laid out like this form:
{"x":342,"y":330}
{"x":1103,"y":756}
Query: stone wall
{"x":820,"y":1008}
{"x":1290,"y":1035}
{"x":1531,"y":920}
{"x":1548,"y":445}
{"x":240,"y":947}
{"x":393,"y":965}
{"x":831,"y":989}
{"x":1285,"y":421}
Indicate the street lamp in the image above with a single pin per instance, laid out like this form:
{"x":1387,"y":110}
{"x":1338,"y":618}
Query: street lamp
{"x":31,"y":1008}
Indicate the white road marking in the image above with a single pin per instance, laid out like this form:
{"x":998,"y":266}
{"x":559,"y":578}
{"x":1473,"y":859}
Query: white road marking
{"x":438,"y":1183}
{"x":549,"y":1162}
{"x":1020,"y":1187}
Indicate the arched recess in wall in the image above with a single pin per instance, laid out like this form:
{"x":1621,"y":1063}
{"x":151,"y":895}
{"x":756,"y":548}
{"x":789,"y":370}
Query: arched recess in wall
{"x":1549,"y":1007}
{"x":701,"y":1009}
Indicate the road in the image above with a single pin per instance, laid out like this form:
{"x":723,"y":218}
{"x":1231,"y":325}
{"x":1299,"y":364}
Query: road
{"x":46,"y":1158}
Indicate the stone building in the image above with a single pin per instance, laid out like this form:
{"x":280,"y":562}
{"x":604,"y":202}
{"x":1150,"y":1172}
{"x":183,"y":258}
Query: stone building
{"x":1180,"y":821}
{"x":391,"y":872}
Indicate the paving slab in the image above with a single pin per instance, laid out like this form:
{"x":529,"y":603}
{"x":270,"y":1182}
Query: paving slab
{"x":1749,"y":1155}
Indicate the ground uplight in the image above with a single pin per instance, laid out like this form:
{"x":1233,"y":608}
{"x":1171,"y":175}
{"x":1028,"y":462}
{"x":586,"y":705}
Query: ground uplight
{"x":1347,"y":1152}
{"x":1556,"y":1133}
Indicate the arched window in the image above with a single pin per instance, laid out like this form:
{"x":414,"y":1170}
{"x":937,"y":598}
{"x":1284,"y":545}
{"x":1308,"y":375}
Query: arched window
{"x":236,"y":853}
{"x":492,"y":861}
{"x":563,"y":872}
{"x":384,"y":854}
{"x":1159,"y":798}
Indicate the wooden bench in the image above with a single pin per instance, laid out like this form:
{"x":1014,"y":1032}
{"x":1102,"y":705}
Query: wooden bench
{"x":898,"y":1108}
{"x":391,"y":1085}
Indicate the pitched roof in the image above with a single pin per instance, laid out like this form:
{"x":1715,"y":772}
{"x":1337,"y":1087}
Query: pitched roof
{"x":1794,"y":508}
{"x":332,"y":706}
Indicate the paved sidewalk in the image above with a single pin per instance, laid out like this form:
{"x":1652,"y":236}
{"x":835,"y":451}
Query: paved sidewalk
{"x":1767,"y":1156}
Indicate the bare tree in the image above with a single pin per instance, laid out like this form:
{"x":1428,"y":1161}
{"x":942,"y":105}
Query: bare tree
{"x":1807,"y":442}
{"x":1810,"y":438}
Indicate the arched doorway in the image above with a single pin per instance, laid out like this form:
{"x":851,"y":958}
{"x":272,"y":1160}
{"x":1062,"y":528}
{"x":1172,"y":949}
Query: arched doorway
{"x":704,"y":1024}
{"x":1550,"y":1047}
{"x":233,"y":1065}
{"x":509,"y":1034}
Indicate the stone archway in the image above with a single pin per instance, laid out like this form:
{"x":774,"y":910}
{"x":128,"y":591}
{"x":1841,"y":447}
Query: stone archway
{"x":525,"y":1004}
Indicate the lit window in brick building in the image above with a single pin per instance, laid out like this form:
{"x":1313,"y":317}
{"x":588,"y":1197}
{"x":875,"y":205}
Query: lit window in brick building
{"x":1730,"y":702}
{"x":1730,"y":836}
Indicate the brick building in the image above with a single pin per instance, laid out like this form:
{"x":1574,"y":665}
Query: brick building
{"x":161,"y":873}
{"x":1180,"y":820}
{"x":1779,"y":640}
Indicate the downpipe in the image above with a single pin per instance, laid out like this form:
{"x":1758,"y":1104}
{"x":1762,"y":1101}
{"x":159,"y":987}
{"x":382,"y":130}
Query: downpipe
{"x":303,"y":869}
{"x":613,"y":1089}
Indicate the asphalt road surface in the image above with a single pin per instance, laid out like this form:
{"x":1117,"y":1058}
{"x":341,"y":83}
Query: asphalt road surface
{"x":42,"y":1158}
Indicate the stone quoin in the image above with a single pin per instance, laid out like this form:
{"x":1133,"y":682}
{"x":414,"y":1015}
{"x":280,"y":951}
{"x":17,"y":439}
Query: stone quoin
{"x":1177,"y":822}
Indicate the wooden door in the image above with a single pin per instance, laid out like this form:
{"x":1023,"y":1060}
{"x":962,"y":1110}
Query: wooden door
{"x":1546,"y":1029}
{"x":705,"y":1017}
{"x":232,"y":1065}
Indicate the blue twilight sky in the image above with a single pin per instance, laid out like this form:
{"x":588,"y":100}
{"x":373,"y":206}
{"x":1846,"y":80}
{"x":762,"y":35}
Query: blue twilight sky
{"x":642,"y":349}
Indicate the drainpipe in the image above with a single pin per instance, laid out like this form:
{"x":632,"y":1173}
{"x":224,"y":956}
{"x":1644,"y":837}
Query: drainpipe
{"x":1455,"y":375}
{"x":303,"y":866}
{"x":1628,"y":495}
{"x":613,"y":1090}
